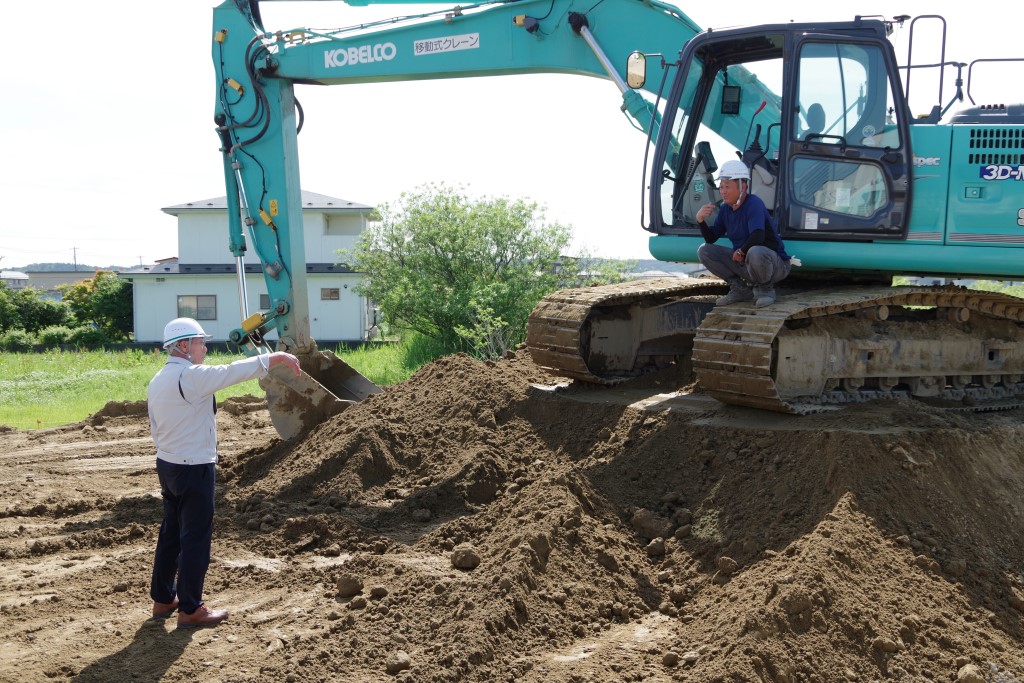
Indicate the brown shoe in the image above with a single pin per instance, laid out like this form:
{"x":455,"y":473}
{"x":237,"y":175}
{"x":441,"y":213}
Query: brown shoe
{"x":204,"y":616}
{"x":162,"y":610}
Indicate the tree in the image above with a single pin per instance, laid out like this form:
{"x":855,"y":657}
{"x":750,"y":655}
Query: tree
{"x":9,"y":318}
{"x":26,"y":309}
{"x":112,"y":305}
{"x":465,"y":272}
{"x":103,"y":299}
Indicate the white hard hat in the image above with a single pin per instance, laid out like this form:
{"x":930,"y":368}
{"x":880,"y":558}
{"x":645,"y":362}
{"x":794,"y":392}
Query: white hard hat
{"x":734,"y":170}
{"x":182,"y":328}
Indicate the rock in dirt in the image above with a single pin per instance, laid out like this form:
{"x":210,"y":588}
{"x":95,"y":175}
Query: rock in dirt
{"x":727,"y":565}
{"x":970,"y":673}
{"x":465,"y":557}
{"x":650,"y":525}
{"x":656,"y":548}
{"x":348,"y":585}
{"x":398,"y":661}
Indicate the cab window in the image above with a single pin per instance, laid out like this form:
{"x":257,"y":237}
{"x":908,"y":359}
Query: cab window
{"x":844,"y":96}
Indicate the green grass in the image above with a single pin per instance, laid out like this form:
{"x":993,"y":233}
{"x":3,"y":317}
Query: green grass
{"x":989,"y":286}
{"x":394,"y":363}
{"x":40,"y":390}
{"x":983,"y":285}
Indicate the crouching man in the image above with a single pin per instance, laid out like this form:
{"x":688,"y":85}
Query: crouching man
{"x":756,"y":259}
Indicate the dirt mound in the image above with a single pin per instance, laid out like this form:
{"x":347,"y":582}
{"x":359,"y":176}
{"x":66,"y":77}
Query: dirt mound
{"x":476,"y":523}
{"x":828,"y":545}
{"x":120,"y":409}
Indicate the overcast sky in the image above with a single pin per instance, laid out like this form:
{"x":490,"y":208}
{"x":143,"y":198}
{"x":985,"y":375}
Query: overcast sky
{"x":107,"y":108}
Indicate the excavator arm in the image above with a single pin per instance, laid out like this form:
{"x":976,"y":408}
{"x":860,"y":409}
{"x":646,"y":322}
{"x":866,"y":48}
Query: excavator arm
{"x":258,"y":120}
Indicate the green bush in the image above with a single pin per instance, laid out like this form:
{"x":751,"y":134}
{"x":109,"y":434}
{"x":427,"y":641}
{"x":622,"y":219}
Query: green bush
{"x":467,"y":271}
{"x":16,"y":340}
{"x":88,"y":336}
{"x":26,"y":309}
{"x":55,"y":335}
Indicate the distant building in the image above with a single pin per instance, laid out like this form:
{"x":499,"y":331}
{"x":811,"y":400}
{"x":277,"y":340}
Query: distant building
{"x":49,"y":281}
{"x":647,"y":274}
{"x":14,"y":279}
{"x":201,"y":281}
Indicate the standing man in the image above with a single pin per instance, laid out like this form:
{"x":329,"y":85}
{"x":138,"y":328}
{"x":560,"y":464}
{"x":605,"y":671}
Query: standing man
{"x":182,"y":409}
{"x":757,"y":257}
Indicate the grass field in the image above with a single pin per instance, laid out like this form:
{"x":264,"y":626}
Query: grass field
{"x":39,"y":390}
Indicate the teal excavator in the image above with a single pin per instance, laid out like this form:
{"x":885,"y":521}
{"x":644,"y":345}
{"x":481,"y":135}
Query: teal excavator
{"x":862,"y":190}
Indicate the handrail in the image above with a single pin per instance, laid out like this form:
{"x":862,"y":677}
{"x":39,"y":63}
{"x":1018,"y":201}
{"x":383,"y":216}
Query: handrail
{"x":991,"y":59}
{"x":910,"y":50}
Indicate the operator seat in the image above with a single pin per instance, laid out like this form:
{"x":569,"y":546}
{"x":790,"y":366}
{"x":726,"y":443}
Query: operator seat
{"x":762,"y":184}
{"x":815,"y":120}
{"x":762,"y":170}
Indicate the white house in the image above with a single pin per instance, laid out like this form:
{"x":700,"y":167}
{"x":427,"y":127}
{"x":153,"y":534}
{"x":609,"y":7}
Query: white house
{"x":201,"y":282}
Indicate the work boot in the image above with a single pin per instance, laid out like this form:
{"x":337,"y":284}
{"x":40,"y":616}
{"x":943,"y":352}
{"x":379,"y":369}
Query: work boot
{"x":738,"y":292}
{"x":204,"y":616}
{"x":162,"y":610}
{"x":764,"y":296}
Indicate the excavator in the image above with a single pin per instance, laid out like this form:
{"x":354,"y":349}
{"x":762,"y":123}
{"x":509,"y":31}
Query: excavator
{"x":862,"y":191}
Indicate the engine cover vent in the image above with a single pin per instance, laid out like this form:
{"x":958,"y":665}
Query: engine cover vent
{"x":996,"y":146}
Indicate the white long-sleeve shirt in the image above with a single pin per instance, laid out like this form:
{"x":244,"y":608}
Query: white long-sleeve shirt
{"x":181,"y":406}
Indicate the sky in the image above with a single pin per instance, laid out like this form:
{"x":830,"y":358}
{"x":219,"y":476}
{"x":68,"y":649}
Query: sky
{"x":106,"y":118}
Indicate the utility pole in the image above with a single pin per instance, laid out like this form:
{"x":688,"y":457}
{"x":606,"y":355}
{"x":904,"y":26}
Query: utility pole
{"x":74,"y":252}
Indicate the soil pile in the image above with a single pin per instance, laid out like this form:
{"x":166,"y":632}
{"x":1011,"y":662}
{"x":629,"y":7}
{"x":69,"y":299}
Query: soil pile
{"x":477,"y":524}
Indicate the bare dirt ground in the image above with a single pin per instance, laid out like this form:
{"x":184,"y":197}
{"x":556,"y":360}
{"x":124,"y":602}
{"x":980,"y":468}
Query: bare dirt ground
{"x":469,"y":525}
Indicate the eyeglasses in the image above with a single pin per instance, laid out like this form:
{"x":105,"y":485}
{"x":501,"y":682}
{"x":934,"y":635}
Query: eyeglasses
{"x":201,"y":341}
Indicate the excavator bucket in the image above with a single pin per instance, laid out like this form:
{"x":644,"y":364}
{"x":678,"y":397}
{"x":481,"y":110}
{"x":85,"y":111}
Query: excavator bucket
{"x":327,"y":386}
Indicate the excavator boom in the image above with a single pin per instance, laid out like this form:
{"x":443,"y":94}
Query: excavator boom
{"x":258,"y":119}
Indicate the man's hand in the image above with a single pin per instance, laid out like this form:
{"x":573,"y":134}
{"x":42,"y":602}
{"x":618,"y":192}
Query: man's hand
{"x":705,"y":211}
{"x":286,"y":359}
{"x":738,"y":256}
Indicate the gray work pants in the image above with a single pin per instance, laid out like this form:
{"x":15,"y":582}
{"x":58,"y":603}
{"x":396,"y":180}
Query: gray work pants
{"x":763,"y":267}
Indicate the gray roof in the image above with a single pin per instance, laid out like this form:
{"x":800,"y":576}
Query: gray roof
{"x":13,"y":275}
{"x":310,"y":200}
{"x":172,"y":267}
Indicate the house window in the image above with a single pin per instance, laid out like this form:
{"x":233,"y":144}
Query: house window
{"x":330,"y":293}
{"x":198,"y":306}
{"x":264,"y":302}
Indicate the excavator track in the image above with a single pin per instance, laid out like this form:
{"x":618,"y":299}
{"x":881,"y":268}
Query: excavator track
{"x":809,"y":352}
{"x":954,"y":344}
{"x":562,"y":334}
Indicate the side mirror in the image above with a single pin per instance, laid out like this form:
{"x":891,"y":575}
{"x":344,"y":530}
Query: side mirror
{"x":636,"y":70}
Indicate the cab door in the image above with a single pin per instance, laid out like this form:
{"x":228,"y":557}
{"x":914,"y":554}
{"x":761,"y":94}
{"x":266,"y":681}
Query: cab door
{"x":848,"y":156}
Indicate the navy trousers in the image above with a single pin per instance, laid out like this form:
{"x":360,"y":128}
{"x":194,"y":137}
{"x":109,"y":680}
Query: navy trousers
{"x":183,"y":547}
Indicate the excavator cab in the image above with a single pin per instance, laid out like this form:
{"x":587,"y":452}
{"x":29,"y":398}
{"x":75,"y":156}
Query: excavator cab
{"x":813,"y":111}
